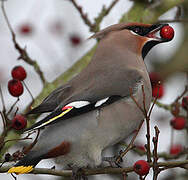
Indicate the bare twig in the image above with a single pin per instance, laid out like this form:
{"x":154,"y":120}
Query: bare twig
{"x":94,"y":27}
{"x":156,"y":170}
{"x":27,"y":149}
{"x":2,"y":99}
{"x":3,"y":119}
{"x":138,"y":105}
{"x":28,"y":91}
{"x":22,"y":51}
{"x":131,"y":144}
{"x":83,"y":15}
{"x":11,"y":108}
{"x":104,"y":12}
{"x":148,"y":146}
{"x":164,"y":106}
{"x":182,"y":94}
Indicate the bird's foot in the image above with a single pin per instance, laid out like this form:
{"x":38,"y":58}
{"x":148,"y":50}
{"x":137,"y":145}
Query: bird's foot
{"x":113,"y":161}
{"x":78,"y":174}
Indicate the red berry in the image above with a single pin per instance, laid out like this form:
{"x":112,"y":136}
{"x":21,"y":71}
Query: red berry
{"x":158,"y":91}
{"x":141,"y":167}
{"x":18,"y":72}
{"x":176,"y":149}
{"x":155,"y":78}
{"x":178,"y":123}
{"x":19,"y":122}
{"x":185,"y":103}
{"x":15,"y":87}
{"x":25,"y":29}
{"x":75,"y":40}
{"x":167,"y":32}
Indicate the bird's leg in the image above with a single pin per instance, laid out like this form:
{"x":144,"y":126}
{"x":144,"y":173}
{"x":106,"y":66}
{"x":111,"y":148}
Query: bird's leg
{"x":113,"y":160}
{"x":78,"y":173}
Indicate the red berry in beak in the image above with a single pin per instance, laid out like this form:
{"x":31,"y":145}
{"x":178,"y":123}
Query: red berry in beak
{"x":19,"y":122}
{"x":18,"y":72}
{"x":15,"y":87}
{"x":167,"y":32}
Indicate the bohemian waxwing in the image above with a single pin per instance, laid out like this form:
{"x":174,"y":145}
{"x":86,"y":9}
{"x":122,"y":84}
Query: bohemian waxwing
{"x":94,"y":110}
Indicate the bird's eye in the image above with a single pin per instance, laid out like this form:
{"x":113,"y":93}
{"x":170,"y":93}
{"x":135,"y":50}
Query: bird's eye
{"x":138,"y":30}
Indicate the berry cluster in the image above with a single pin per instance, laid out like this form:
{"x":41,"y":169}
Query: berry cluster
{"x":179,"y":123}
{"x":16,"y":89}
{"x":15,"y":85}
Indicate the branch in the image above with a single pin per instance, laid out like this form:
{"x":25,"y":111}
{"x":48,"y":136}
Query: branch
{"x":106,"y":170}
{"x":22,"y":51}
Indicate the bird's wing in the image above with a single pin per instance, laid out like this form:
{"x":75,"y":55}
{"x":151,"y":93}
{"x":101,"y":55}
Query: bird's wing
{"x":51,"y":101}
{"x":71,"y":110}
{"x":90,"y":98}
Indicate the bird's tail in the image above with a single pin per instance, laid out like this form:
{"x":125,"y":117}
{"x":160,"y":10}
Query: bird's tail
{"x":26,"y":164}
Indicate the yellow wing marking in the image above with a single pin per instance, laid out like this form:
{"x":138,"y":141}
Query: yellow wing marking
{"x":54,"y":118}
{"x":20,"y":169}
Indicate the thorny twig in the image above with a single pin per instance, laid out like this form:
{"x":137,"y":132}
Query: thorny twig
{"x":22,"y":51}
{"x":156,"y":170}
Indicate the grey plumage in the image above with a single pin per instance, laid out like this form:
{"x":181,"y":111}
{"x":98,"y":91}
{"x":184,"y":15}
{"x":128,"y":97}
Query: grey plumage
{"x":116,"y":68}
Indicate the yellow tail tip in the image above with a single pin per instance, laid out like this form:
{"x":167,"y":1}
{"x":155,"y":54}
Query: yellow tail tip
{"x":20,"y":169}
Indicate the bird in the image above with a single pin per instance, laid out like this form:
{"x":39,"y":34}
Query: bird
{"x":95,"y":109}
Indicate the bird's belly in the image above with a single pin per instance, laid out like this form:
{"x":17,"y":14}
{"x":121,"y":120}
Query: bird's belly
{"x":89,"y":134}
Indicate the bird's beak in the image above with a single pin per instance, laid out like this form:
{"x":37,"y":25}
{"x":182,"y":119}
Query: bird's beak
{"x":154,"y":33}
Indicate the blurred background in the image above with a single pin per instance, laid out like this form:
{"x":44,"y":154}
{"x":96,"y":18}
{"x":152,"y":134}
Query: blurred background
{"x":56,"y":37}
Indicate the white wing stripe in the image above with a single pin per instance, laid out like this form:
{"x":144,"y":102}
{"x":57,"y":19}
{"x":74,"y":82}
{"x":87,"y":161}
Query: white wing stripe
{"x":78,"y":104}
{"x":102,"y":101}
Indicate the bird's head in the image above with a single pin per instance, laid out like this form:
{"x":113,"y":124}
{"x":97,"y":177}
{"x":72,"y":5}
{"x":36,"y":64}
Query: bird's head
{"x":138,"y":37}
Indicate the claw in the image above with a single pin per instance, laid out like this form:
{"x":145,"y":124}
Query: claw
{"x":78,"y":174}
{"x":113,"y":161}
